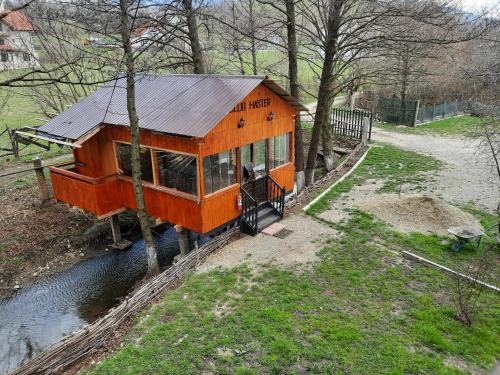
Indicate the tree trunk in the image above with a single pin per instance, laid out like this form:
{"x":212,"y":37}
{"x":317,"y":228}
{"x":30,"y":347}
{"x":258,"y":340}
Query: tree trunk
{"x":194,"y":39}
{"x":405,"y":76}
{"x":321,"y":124}
{"x":153,"y":267}
{"x":236,"y":42}
{"x":294,"y":81}
{"x":253,"y":46}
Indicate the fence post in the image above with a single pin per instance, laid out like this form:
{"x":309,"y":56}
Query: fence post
{"x":422,"y":117}
{"x":13,"y":141}
{"x":371,"y":124}
{"x":456,"y":107}
{"x":364,"y":130}
{"x":415,"y":114}
{"x":432,"y":113}
{"x":445,"y":110}
{"x":42,"y":183}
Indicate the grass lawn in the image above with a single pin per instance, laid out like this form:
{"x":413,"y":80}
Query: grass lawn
{"x":452,"y":126}
{"x":387,"y":162}
{"x":358,"y":311}
{"x":19,"y":111}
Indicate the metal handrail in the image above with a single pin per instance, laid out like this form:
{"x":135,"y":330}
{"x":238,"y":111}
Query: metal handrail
{"x":277,"y":200}
{"x":249,"y":210}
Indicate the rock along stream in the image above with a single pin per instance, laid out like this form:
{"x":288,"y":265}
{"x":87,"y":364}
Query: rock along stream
{"x":42,"y":313}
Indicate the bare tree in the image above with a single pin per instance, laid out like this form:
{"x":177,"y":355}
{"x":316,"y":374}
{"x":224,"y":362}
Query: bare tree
{"x":468,"y":291}
{"x":194,"y":39}
{"x":128,"y":54}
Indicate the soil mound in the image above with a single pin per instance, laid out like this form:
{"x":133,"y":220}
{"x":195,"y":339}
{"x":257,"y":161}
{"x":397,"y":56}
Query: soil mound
{"x":418,"y":213}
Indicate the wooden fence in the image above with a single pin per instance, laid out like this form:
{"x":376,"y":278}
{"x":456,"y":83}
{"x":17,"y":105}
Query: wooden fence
{"x":12,"y":143}
{"x":349,"y":123}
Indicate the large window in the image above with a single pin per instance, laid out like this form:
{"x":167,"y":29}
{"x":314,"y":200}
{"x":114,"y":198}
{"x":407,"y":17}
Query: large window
{"x":4,"y":57}
{"x":279,"y":150}
{"x":219,"y":171}
{"x":177,"y":171}
{"x":124,"y":153}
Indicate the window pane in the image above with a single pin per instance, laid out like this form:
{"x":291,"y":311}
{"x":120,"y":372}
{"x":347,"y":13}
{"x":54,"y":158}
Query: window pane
{"x":246,"y":157}
{"x":280,"y":150}
{"x":124,"y":152}
{"x":232,"y":167}
{"x":146,"y":165}
{"x":219,"y":171}
{"x":207,"y":174}
{"x":259,"y":149}
{"x":177,"y":171}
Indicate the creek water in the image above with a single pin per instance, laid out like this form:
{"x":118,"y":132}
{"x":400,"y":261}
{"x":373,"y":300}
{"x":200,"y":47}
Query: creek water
{"x":42,"y":313}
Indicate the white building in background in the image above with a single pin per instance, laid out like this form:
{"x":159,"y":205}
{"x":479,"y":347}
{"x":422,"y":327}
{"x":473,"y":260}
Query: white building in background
{"x":16,"y":40}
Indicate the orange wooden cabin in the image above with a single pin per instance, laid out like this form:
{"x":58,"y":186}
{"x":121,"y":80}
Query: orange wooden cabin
{"x":214,"y":150}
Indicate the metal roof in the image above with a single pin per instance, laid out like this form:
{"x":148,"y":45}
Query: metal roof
{"x":189,"y":105}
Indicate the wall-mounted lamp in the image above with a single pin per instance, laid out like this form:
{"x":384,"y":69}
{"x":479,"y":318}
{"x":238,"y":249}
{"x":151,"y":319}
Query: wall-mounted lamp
{"x":241,"y":123}
{"x":270,"y":116}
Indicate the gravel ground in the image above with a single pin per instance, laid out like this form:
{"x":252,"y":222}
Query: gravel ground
{"x":298,"y":248}
{"x":466,"y":175}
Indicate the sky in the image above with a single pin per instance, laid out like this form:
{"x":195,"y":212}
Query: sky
{"x":475,"y":6}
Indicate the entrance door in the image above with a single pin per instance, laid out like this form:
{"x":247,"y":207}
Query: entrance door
{"x":255,"y":154}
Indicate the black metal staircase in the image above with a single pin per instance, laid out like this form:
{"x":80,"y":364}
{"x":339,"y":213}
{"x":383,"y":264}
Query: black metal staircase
{"x":263,"y":203}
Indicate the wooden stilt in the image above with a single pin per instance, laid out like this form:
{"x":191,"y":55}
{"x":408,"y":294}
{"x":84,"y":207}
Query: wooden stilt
{"x":183,"y":240}
{"x":118,"y":242}
{"x":114,"y":221}
{"x":42,"y":183}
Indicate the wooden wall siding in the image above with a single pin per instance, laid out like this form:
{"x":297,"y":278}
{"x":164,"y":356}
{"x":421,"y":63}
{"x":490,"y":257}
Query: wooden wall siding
{"x":227,"y":135}
{"x":167,"y":207}
{"x":284,"y":176}
{"x":219,"y":208}
{"x":98,"y":198}
{"x":98,"y":153}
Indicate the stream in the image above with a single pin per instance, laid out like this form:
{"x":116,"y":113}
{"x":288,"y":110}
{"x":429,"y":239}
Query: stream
{"x":45,"y":311}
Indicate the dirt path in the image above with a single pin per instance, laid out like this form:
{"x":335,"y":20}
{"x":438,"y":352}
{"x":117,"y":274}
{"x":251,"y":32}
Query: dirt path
{"x":297,"y":249}
{"x":465,"y":176}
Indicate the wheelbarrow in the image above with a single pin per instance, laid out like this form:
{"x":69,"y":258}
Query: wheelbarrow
{"x":465,"y":234}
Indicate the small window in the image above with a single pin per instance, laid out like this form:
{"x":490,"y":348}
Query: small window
{"x":280,"y":150}
{"x":124,"y":153}
{"x":4,"y":57}
{"x":177,"y":171}
{"x":219,"y":171}
{"x":26,"y":56}
{"x":2,"y":41}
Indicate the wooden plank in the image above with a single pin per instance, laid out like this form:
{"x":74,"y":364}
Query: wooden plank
{"x":447,"y":270}
{"x":48,"y":139}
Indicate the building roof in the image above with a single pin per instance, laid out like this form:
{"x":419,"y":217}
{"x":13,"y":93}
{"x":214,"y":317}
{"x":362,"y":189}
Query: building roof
{"x":188,"y":105}
{"x":141,"y":30}
{"x":6,"y":48}
{"x":17,"y":20}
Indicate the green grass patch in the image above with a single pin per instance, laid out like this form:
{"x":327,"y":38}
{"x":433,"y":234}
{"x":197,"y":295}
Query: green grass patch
{"x":460,"y":125}
{"x":433,"y":247}
{"x":395,"y":166}
{"x":357,"y":311}
{"x":20,"y":110}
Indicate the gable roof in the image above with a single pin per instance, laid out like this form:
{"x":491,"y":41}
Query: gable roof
{"x":189,"y":105}
{"x":17,"y":20}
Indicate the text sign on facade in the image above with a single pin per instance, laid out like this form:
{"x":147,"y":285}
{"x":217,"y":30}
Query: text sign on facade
{"x":252,"y":104}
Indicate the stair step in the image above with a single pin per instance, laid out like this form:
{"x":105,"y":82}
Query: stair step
{"x":267,"y":216}
{"x":268,"y":220}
